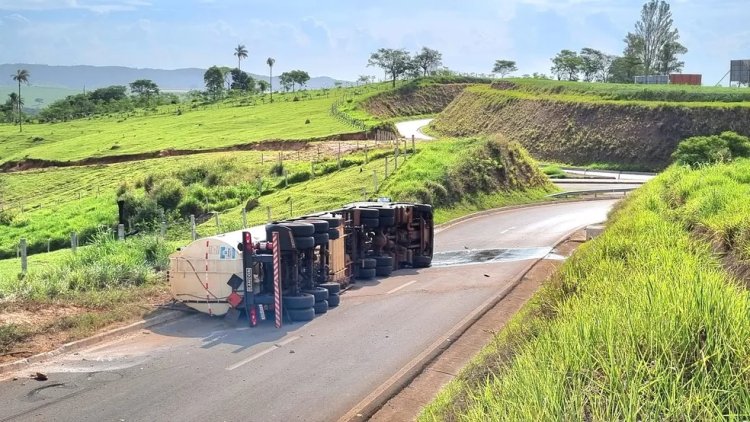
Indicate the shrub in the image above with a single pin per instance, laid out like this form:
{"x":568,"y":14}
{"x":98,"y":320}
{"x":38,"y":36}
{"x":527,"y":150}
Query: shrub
{"x":277,"y":169}
{"x":168,"y":193}
{"x":190,"y":205}
{"x":712,"y":149}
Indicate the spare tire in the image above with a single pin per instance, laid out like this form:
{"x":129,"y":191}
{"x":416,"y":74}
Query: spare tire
{"x":333,"y":300}
{"x":307,"y":242}
{"x":367,"y":263}
{"x":299,"y":229}
{"x":321,"y":238}
{"x":333,"y":234}
{"x":303,"y":301}
{"x":321,"y":307}
{"x":333,"y":288}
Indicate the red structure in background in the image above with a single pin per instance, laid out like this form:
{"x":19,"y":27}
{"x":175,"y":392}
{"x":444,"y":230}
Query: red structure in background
{"x":685,"y":79}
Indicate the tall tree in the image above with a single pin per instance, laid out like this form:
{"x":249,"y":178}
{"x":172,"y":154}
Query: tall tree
{"x":21,"y":75}
{"x":428,"y":60}
{"x":214,"y":80}
{"x":262,"y":85}
{"x":567,"y":64}
{"x":300,"y":77}
{"x":655,"y":41}
{"x":287,"y":81}
{"x":242,"y":81}
{"x":270,"y":62}
{"x":504,"y":67}
{"x":145,"y":89}
{"x":393,"y":62}
{"x":593,"y":63}
{"x":623,"y":70}
{"x":241,"y":52}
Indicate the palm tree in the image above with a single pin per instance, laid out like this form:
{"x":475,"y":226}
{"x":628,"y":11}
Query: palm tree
{"x":241,"y":52}
{"x":22,"y":75}
{"x":270,"y":62}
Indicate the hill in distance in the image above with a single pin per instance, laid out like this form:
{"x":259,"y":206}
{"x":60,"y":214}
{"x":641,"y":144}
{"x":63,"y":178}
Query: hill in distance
{"x":92,"y":77}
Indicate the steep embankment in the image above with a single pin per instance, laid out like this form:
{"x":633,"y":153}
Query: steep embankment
{"x":578,"y":129}
{"x":412,"y":99}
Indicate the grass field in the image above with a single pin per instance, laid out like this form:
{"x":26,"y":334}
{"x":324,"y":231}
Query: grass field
{"x":641,"y":324}
{"x":30,"y":93}
{"x":210,"y":126}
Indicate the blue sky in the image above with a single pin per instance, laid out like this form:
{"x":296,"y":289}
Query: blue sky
{"x":335,"y":38}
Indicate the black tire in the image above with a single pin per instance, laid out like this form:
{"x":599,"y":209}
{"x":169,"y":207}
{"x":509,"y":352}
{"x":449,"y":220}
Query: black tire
{"x":304,"y":242}
{"x":332,"y":221}
{"x":333,"y":234}
{"x":300,"y":229}
{"x":383,"y":261}
{"x":321,"y":226}
{"x":366,"y":273}
{"x":334,"y":300}
{"x":387,"y":221}
{"x":321,"y":238}
{"x":333,"y":288}
{"x":368,"y":213}
{"x":423,"y":208}
{"x":302,"y":301}
{"x":321,"y":307}
{"x":367,"y":263}
{"x":372,"y":223}
{"x":386,"y":212}
{"x":301,"y":315}
{"x":421,"y":261}
{"x":319,"y":293}
{"x":383,"y":271}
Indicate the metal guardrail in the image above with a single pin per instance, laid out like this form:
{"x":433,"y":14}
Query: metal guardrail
{"x":594,"y":192}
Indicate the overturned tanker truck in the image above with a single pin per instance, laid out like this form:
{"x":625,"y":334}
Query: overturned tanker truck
{"x":315,"y":258}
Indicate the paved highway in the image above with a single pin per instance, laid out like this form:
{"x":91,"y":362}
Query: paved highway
{"x":201,"y":368}
{"x":414,"y":127}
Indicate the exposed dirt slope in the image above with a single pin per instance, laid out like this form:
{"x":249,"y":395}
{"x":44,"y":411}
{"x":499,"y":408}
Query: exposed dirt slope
{"x":413,"y":100}
{"x":585,"y":132}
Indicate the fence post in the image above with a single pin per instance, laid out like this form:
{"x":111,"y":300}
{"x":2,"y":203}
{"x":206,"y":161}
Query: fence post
{"x":312,"y":169}
{"x":366,"y":160}
{"x":374,"y":181}
{"x":318,"y":152}
{"x":339,"y":156}
{"x":24,"y":257}
{"x":49,"y":241}
{"x":218,"y":227}
{"x":385,"y":176}
{"x":413,"y":149}
{"x":163,"y":229}
{"x":244,"y":217}
{"x":286,"y":179}
{"x":291,"y":208}
{"x":120,"y":232}
{"x":262,"y":158}
{"x":268,"y":211}
{"x":193,"y":235}
{"x":395,"y":159}
{"x":73,"y":241}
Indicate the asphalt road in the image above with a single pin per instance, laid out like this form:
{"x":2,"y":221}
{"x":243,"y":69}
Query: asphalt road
{"x":414,"y":127}
{"x":201,"y":368}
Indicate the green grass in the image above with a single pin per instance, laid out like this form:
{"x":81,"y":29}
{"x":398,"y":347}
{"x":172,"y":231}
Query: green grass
{"x":641,"y":324}
{"x":212,"y":126}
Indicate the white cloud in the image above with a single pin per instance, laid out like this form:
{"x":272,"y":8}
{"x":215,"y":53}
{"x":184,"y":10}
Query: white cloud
{"x":96,"y":6}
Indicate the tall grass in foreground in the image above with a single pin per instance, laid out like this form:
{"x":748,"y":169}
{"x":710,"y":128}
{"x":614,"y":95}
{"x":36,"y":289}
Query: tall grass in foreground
{"x":641,"y":324}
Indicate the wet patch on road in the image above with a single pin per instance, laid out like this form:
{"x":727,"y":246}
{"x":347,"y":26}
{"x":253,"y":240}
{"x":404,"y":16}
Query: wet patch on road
{"x":487,"y":256}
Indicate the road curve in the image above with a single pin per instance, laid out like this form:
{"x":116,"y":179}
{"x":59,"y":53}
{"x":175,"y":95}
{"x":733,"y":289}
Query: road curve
{"x":414,"y":128}
{"x":202,"y":368}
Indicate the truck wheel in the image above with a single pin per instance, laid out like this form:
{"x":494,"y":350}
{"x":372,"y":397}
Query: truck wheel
{"x":333,"y":234}
{"x":333,"y":288}
{"x":366,"y":273}
{"x":372,"y":223}
{"x":321,"y":238}
{"x":368,"y":213}
{"x":367,"y":263}
{"x":421,"y":261}
{"x":387,"y":221}
{"x":383,"y":261}
{"x":321,"y":226}
{"x":302,"y":301}
{"x":304,"y":242}
{"x":319,"y":293}
{"x":383,"y":271}
{"x":333,"y":300}
{"x":332,"y":222}
{"x":299,"y":229}
{"x":321,"y":307}
{"x":307,"y":314}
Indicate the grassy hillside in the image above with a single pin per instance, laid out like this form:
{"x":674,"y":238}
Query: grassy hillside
{"x":581,"y":124}
{"x":197,"y":127}
{"x":644,"y":323}
{"x":47,"y":94}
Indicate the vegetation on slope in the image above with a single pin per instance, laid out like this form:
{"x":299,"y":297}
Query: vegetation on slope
{"x":581,"y":129}
{"x":641,"y":324}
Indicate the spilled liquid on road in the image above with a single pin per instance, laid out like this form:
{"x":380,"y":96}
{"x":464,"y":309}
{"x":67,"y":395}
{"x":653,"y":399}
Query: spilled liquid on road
{"x":485,"y":256}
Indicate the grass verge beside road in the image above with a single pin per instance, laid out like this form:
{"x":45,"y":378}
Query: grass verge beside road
{"x":641,"y":324}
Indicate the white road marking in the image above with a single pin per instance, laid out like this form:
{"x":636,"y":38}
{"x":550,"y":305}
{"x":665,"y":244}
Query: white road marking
{"x":262,"y":353}
{"x":507,"y":230}
{"x":401,"y":287}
